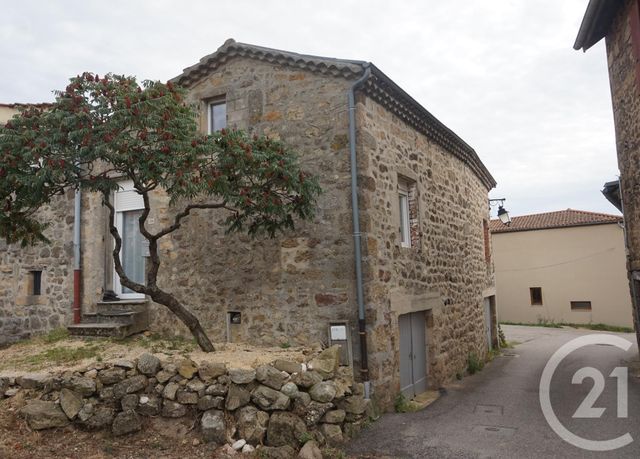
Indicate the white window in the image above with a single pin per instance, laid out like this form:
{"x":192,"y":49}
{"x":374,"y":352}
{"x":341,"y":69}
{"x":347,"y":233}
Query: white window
{"x":405,"y":231}
{"x":217,"y":113}
{"x":128,"y":205}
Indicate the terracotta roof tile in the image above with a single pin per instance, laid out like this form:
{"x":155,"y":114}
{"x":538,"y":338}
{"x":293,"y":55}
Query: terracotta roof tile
{"x":558,"y":219}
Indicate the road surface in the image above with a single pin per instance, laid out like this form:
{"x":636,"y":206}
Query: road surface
{"x":497,"y":413}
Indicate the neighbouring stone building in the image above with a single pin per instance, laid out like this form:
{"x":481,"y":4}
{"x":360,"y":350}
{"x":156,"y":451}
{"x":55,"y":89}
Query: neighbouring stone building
{"x":618,"y":21}
{"x":36,"y":282}
{"x":427,"y":276}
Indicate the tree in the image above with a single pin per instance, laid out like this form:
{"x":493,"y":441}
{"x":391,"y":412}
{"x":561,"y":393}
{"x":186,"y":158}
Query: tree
{"x":101,"y":130}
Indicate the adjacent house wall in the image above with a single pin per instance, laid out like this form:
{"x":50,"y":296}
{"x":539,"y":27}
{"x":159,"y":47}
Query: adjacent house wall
{"x":445,"y":273}
{"x":623,"y":51}
{"x":584,"y":263}
{"x":22,"y":314}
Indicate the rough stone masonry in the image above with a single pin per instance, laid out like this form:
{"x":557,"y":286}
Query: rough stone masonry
{"x":281,"y":405}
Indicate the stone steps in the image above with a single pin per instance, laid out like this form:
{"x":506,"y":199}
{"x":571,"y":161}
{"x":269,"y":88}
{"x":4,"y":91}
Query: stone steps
{"x":117,"y":319}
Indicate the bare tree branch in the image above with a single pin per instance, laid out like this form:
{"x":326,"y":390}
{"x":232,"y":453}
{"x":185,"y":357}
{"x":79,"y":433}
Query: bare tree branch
{"x":178,"y":219}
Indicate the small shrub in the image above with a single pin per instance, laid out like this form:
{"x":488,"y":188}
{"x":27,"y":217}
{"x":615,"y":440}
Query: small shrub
{"x":401,"y":404}
{"x":285,"y":345}
{"x":502,"y":340}
{"x":474,"y":364}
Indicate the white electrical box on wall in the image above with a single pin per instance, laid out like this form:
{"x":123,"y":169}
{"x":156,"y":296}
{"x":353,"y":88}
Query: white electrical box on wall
{"x":339,"y":333}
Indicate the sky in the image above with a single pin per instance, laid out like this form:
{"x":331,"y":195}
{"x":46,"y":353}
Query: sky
{"x":502,"y":74}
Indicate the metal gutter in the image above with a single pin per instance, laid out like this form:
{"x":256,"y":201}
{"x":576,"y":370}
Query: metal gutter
{"x":596,"y":22}
{"x":357,"y":236}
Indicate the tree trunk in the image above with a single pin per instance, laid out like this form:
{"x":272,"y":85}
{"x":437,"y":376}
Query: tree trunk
{"x":151,"y":289}
{"x":186,"y":316}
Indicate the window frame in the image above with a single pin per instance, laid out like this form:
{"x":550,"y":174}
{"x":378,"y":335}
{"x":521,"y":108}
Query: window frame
{"x":210,"y":106}
{"x":534,"y":301}
{"x":36,"y":282}
{"x":405,"y":218}
{"x":580,"y":306}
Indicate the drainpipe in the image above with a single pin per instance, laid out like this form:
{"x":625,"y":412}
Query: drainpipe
{"x":76,"y":257}
{"x":362,"y":327}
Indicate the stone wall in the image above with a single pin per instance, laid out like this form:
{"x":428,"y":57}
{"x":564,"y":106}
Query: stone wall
{"x":624,"y":78}
{"x":21,"y":313}
{"x":444,"y":272}
{"x":281,"y":405}
{"x":287,"y":289}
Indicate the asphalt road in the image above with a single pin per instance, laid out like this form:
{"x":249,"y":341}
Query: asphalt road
{"x":497,"y":412}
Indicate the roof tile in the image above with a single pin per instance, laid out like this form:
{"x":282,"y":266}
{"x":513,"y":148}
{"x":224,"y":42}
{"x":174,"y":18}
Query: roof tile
{"x":558,"y":219}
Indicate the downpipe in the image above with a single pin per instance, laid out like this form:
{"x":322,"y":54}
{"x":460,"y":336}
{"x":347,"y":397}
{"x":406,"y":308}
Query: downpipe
{"x":77,"y":272}
{"x":357,"y":236}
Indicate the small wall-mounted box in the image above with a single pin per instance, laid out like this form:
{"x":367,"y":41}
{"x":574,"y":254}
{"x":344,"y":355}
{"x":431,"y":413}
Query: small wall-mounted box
{"x":234,"y":318}
{"x":339,"y":333}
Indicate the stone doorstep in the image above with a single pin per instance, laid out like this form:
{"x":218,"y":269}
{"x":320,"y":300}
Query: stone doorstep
{"x":115,"y":330}
{"x":122,"y":305}
{"x":423,"y":400}
{"x":119,"y":317}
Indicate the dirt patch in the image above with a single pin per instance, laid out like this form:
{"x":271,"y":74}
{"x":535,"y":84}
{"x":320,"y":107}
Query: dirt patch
{"x":65,"y":353}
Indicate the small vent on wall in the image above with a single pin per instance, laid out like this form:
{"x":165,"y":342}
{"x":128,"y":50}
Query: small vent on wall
{"x":581,"y":305}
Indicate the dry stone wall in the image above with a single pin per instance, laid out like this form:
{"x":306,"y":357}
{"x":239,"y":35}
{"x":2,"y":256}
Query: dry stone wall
{"x":276,"y":407}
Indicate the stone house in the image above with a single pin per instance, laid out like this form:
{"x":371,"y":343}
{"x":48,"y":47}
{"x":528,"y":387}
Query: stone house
{"x":36,"y":282}
{"x":407,"y":287}
{"x":618,"y":22}
{"x":564,"y":267}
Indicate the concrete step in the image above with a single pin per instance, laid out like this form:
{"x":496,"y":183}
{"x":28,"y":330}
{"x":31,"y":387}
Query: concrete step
{"x":117,"y":319}
{"x":122,"y":305}
{"x":112,"y":330}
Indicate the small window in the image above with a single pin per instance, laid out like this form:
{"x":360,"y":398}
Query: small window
{"x":217,"y":115}
{"x":536,"y":296}
{"x":405,"y":224}
{"x":36,"y":283}
{"x":487,"y":241}
{"x":581,"y":305}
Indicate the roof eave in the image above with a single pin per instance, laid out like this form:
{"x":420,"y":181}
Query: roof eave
{"x":411,"y":111}
{"x":596,"y":22}
{"x":446,"y":137}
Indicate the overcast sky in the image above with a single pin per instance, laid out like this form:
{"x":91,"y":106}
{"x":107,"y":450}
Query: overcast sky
{"x":502,"y":74}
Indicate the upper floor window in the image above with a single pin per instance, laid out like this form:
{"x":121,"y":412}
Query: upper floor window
{"x":408,"y":211}
{"x":487,"y":241}
{"x":217,"y":113}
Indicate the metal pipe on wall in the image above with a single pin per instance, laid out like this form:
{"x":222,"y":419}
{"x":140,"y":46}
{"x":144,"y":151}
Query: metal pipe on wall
{"x":77,"y":272}
{"x":357,"y":236}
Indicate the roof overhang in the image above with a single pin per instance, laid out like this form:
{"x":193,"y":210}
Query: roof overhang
{"x":596,"y":22}
{"x":611,"y":191}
